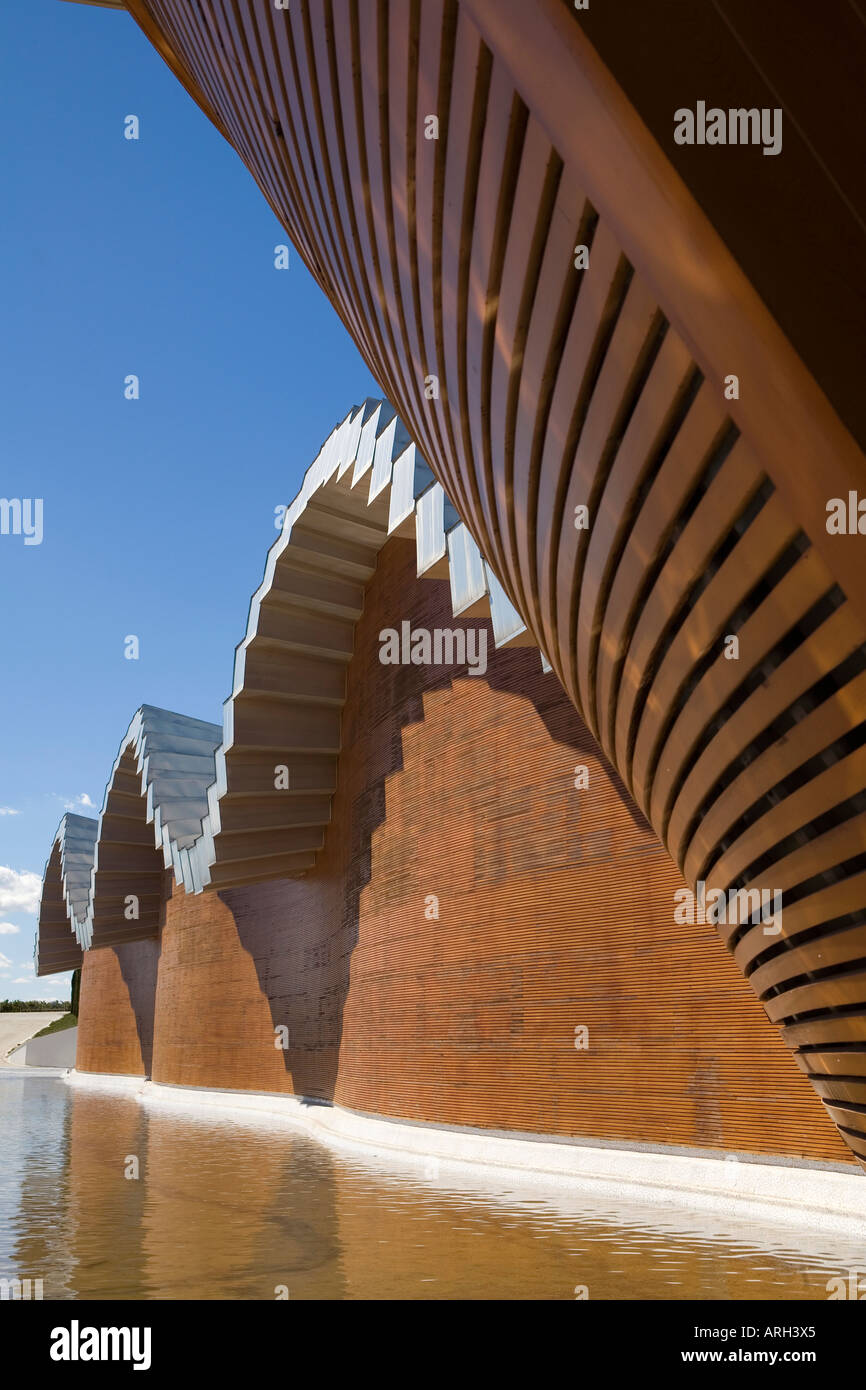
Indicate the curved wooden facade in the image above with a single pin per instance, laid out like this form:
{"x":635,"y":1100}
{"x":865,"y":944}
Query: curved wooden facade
{"x":554,"y":914}
{"x":439,"y":165}
{"x":116,"y":1008}
{"x":554,"y":908}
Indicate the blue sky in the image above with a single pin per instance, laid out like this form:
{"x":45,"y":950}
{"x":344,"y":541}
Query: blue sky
{"x":153,"y":257}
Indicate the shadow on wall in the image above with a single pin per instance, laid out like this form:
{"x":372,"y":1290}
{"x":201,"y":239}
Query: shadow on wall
{"x":139,"y":969}
{"x":383,"y":701}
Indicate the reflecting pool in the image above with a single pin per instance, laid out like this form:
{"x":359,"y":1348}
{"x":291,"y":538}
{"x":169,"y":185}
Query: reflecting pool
{"x":102,"y":1198}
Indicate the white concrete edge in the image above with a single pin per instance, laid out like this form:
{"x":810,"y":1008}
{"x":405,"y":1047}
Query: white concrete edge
{"x":821,"y":1199}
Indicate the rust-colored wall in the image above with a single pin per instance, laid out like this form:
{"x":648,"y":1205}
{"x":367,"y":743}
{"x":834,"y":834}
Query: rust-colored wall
{"x":555,"y":912}
{"x":115,"y":1021}
{"x":562,"y":385}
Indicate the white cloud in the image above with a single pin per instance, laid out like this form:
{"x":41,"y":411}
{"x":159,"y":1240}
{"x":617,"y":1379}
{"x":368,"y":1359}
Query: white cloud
{"x":73,"y":803}
{"x":9,"y":929}
{"x":22,"y":980}
{"x":19,"y":892}
{"x":9,"y":811}
{"x":4,"y":960}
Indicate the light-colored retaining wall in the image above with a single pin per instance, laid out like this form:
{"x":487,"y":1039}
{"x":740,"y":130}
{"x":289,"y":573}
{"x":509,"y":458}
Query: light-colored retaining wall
{"x":55,"y":1050}
{"x":16,"y":1028}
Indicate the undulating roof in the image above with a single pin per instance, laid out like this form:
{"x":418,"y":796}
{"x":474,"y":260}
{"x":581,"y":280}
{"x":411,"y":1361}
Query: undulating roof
{"x":64,"y":898}
{"x":249,"y":801}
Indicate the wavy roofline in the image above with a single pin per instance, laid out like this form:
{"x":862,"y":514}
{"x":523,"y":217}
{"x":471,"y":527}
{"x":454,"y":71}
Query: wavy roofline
{"x":367,"y":484}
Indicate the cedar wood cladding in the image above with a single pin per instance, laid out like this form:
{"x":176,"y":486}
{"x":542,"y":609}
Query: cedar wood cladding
{"x":116,"y":1009}
{"x":556,"y":911}
{"x":564,"y":384}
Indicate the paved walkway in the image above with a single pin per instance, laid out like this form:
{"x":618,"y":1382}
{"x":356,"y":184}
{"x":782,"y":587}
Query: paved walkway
{"x":17,"y":1028}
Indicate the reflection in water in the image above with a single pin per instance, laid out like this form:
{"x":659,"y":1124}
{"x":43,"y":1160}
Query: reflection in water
{"x":226,"y":1211}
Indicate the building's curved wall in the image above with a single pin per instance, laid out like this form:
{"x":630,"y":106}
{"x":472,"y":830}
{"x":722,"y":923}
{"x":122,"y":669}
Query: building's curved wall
{"x":555,"y":913}
{"x":116,"y":1009}
{"x":564,"y":382}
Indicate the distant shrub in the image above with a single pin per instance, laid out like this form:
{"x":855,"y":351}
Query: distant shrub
{"x":33,"y":1006}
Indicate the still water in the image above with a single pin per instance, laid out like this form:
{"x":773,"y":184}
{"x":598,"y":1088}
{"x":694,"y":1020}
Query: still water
{"x":223,"y":1211}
